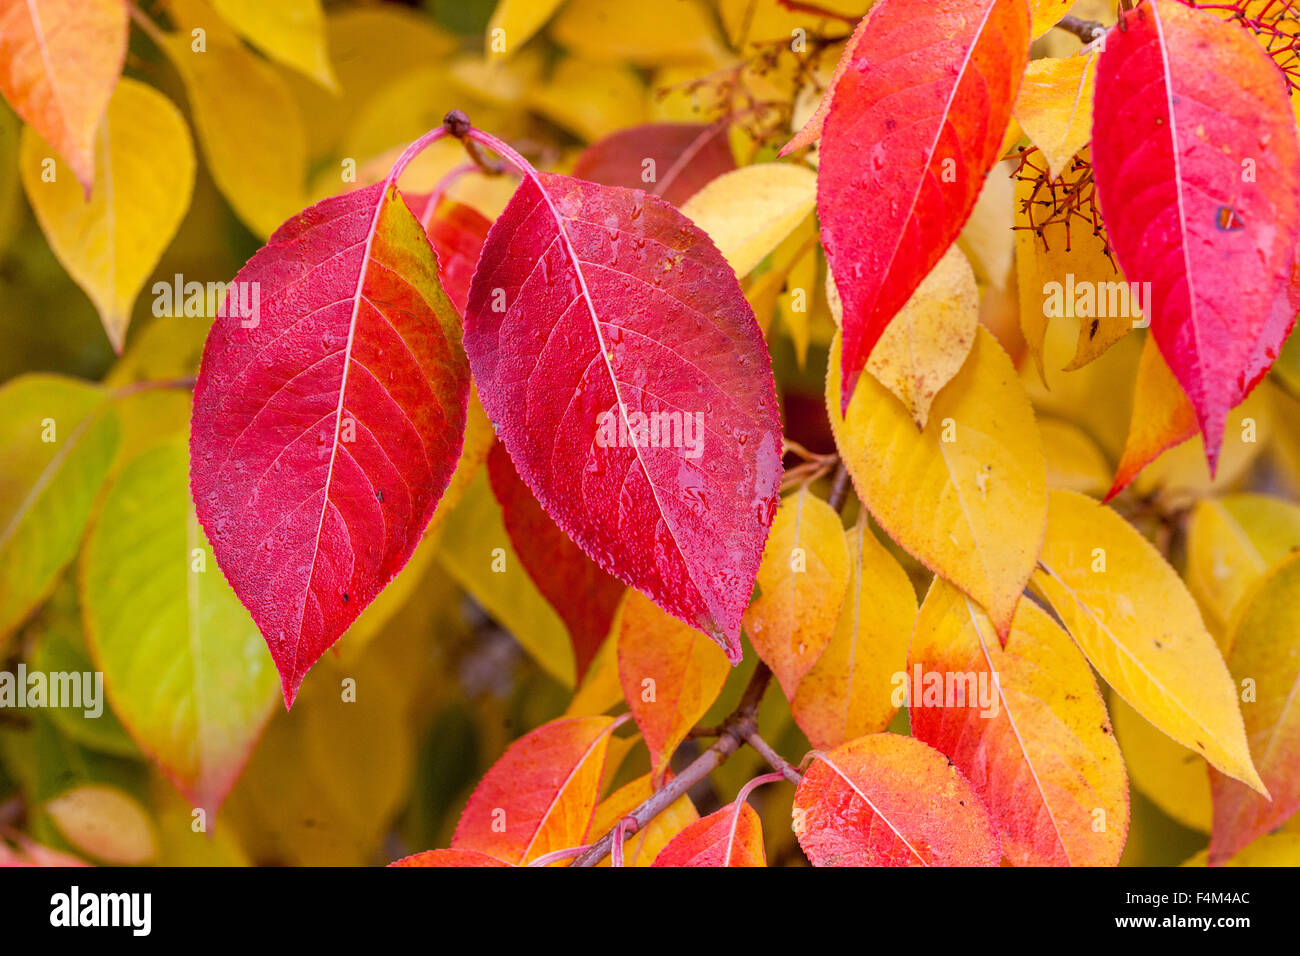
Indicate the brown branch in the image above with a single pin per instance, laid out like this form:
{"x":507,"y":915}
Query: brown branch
{"x":1088,"y":31}
{"x":735,"y":730}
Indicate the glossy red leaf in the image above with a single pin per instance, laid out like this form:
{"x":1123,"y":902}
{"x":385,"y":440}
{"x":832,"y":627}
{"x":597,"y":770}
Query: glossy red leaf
{"x":582,"y":594}
{"x":541,"y":795}
{"x":326,"y":425}
{"x":887,"y":800}
{"x":626,"y":375}
{"x":915,"y":122}
{"x":671,"y":160}
{"x":456,"y":232}
{"x":448,"y":858}
{"x":1197,"y":166}
{"x":732,"y":836}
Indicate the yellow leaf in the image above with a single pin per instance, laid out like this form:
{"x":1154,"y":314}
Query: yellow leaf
{"x":517,"y":21}
{"x":758,"y":22}
{"x":670,"y":674}
{"x":788,"y":260}
{"x":1132,"y":616}
{"x":849,"y":691}
{"x":1264,"y":659}
{"x":987,"y":238}
{"x":110,"y":243}
{"x":1054,"y":106}
{"x":967,"y":495}
{"x":1096,"y":397}
{"x":290,"y":31}
{"x":1231,"y":542}
{"x":105,"y":823}
{"x":1046,"y":14}
{"x":1276,"y":849}
{"x":802,"y":581}
{"x":1169,"y":775}
{"x":392,"y":117}
{"x":749,"y":211}
{"x":371,"y":46}
{"x":1181,"y":472}
{"x":795,"y":304}
{"x":590,"y":99}
{"x":477,"y":552}
{"x":643,"y":34}
{"x":600,"y":689}
{"x":926,"y":343}
{"x":249,"y":127}
{"x":1074,"y":461}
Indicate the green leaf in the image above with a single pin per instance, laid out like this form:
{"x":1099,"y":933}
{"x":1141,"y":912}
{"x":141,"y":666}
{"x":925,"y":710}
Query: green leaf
{"x":58,"y":437}
{"x":184,"y":666}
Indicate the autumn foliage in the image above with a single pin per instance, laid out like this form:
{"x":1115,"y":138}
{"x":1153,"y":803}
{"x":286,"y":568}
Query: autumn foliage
{"x":569,"y":432}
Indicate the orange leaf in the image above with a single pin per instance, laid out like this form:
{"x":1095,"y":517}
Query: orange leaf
{"x":802,"y":581}
{"x":1162,"y":417}
{"x":670,"y":672}
{"x":731,"y":836}
{"x":887,"y":800}
{"x":540,"y":796}
{"x":59,"y":62}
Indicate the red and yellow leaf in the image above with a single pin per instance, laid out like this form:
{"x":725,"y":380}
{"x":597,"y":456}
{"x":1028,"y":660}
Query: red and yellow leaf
{"x":913,"y":127}
{"x":732,"y":836}
{"x":327,"y":422}
{"x":887,"y":800}
{"x":59,"y":62}
{"x":670,"y":673}
{"x":540,"y":796}
{"x":1028,"y":729}
{"x":1265,"y":666}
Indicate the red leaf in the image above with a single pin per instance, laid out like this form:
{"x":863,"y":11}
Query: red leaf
{"x":448,"y":858}
{"x":723,"y":838}
{"x":593,"y":309}
{"x":887,"y":800}
{"x":456,"y":232}
{"x":324,"y":433}
{"x":582,"y":594}
{"x":1186,"y":105}
{"x":913,"y":127}
{"x":540,"y":796}
{"x":681,"y":157}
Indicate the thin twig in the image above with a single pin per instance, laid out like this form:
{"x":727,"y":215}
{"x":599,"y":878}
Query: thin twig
{"x":774,"y":759}
{"x":735,"y":730}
